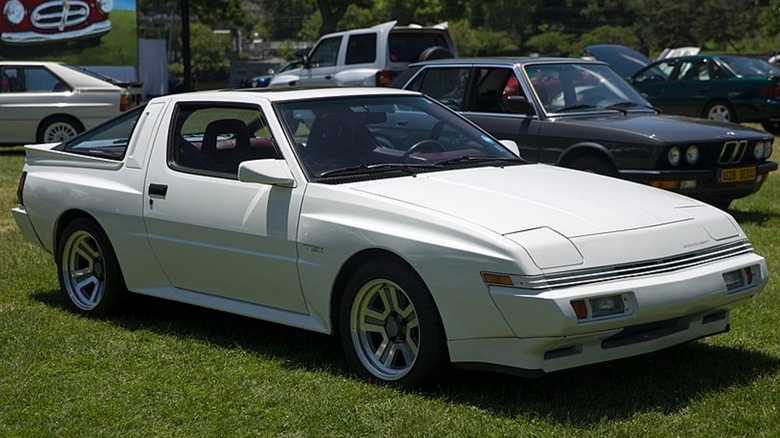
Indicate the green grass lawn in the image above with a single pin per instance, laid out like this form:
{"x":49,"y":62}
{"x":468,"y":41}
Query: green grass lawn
{"x":167,"y":369}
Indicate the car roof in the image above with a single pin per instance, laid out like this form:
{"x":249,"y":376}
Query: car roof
{"x":508,"y":61}
{"x":287,"y":94}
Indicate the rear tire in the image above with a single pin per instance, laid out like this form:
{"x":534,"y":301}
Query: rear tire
{"x":88,"y":269}
{"x":390,"y":327}
{"x":720,"y":111}
{"x":58,"y":129}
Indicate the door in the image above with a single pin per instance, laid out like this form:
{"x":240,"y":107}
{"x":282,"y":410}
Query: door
{"x":323,"y":64}
{"x":210,"y":232}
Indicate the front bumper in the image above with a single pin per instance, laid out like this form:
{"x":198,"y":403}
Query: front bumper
{"x":666,"y":310}
{"x":707,"y":183}
{"x":20,"y":38}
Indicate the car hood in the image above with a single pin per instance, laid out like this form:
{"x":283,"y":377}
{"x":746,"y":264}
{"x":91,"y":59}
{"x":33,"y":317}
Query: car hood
{"x":565,"y":218}
{"x":670,"y":129}
{"x":519,"y":198}
{"x":622,"y":59}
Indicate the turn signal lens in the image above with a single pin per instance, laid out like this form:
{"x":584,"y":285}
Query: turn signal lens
{"x":497,"y":279}
{"x":580,"y":309}
{"x":668,"y":185}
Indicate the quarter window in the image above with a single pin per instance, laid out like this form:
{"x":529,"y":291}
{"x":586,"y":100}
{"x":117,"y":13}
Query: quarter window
{"x":361,"y":49}
{"x":108,"y":140}
{"x":447,"y":85}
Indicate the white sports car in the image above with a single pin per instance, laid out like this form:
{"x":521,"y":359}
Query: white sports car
{"x":383,"y":217}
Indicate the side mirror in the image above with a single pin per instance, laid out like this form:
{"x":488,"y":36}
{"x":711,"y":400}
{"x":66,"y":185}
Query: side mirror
{"x":519,"y":105}
{"x":268,"y":171}
{"x":511,"y":145}
{"x":306,"y":61}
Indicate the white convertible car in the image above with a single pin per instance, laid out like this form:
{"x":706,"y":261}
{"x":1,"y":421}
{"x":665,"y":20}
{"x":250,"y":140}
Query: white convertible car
{"x":383,"y":217}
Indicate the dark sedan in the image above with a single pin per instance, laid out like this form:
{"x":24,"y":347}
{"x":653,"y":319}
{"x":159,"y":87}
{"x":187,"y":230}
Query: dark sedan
{"x":717,"y":87}
{"x":581,"y":114}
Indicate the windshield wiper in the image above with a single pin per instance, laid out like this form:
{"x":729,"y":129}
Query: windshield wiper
{"x":375,"y":168}
{"x":579,"y":106}
{"x":621,"y":106}
{"x":478,"y":159}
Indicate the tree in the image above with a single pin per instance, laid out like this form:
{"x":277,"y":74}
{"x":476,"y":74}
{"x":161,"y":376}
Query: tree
{"x":332,"y":11}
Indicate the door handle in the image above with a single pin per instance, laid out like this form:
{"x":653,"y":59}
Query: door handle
{"x":158,"y":190}
{"x":328,"y":77}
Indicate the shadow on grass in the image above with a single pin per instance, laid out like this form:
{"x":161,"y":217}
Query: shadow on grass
{"x":752,"y":217}
{"x":10,"y":151}
{"x":666,"y":381}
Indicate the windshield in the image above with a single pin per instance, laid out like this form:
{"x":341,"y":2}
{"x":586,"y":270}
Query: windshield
{"x":571,"y":87}
{"x":744,"y":66}
{"x":380,"y":136}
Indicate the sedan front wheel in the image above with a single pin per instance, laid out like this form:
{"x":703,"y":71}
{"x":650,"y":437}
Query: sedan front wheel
{"x":720,"y":111}
{"x":390,"y":328}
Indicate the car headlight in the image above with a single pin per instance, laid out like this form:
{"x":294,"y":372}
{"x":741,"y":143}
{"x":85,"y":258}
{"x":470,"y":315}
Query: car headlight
{"x":768,"y":148}
{"x":673,"y":156}
{"x":106,"y":6}
{"x":759,"y":149}
{"x":14,"y":11}
{"x":692,"y":154}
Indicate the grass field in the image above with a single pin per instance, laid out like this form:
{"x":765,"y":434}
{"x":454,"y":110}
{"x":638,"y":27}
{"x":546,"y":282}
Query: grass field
{"x":167,"y":369}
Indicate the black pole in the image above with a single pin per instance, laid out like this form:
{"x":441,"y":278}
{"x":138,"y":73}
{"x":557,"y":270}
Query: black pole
{"x":185,"y":45}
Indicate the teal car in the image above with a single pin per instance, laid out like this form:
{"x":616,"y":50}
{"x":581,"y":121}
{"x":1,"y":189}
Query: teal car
{"x":717,"y":87}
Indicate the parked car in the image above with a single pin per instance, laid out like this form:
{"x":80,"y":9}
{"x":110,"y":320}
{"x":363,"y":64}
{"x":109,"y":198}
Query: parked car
{"x":46,"y":21}
{"x":372,"y":56}
{"x":389,"y":220}
{"x":580,"y":114}
{"x":48,"y":102}
{"x":263,"y":80}
{"x":716,"y":87}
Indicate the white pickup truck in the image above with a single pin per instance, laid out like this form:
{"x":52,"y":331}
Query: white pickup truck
{"x":384,"y":217}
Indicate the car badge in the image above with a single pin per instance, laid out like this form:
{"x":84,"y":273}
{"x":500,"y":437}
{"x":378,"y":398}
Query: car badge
{"x":731,"y":133}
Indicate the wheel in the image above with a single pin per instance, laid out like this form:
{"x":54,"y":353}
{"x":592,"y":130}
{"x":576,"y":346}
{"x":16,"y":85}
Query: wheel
{"x":593,"y":165}
{"x":88,"y":269}
{"x":720,"y":111}
{"x":421,"y":145}
{"x":58,"y":129}
{"x":435,"y":52}
{"x":771,"y":126}
{"x":390,"y":328}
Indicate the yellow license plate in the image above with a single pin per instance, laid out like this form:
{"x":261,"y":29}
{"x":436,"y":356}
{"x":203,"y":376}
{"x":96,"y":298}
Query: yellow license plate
{"x":737,"y":175}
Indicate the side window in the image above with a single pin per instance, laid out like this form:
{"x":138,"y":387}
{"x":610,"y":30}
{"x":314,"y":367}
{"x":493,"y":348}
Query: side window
{"x":659,"y":72}
{"x":108,"y":140}
{"x":493,"y":88}
{"x":30,"y":80}
{"x":447,"y":85}
{"x":326,"y":53}
{"x":361,"y":49}
{"x":214,"y":140}
{"x":693,"y":71}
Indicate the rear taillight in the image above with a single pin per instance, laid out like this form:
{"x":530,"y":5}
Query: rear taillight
{"x":124,"y":103}
{"x":20,"y":189}
{"x":771,"y":91}
{"x":384,"y":77}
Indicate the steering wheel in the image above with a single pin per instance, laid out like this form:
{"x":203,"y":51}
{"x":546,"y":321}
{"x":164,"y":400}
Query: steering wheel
{"x":433,"y":145}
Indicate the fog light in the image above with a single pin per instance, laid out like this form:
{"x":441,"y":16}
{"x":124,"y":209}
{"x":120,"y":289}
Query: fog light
{"x":688,"y":184}
{"x":734,"y":280}
{"x":604,"y":306}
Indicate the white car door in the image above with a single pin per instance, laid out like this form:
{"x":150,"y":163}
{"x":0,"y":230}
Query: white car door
{"x":210,"y":232}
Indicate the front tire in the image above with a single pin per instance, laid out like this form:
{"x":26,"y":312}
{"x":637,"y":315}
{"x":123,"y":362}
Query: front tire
{"x":390,"y":327}
{"x":88,"y":269}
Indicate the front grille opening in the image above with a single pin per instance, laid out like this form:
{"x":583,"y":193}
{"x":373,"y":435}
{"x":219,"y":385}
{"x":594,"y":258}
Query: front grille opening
{"x":645,"y":332}
{"x":562,"y":352}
